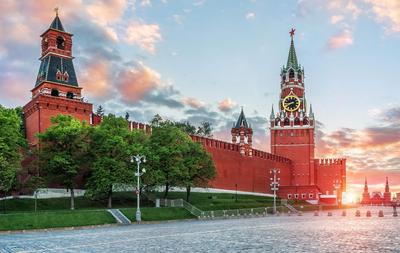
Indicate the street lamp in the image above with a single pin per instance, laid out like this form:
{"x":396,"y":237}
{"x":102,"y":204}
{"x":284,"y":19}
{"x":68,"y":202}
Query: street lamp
{"x":274,"y":184}
{"x":336,"y":185}
{"x":138,"y":159}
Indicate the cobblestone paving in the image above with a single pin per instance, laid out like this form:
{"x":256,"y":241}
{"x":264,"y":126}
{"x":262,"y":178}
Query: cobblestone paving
{"x":270,"y":234}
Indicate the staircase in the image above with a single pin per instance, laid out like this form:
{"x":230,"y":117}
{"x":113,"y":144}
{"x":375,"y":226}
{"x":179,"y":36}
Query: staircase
{"x":291,"y":208}
{"x":119,"y":216}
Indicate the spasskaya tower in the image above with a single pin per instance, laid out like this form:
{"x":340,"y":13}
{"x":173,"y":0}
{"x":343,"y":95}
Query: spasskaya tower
{"x":292,"y":127}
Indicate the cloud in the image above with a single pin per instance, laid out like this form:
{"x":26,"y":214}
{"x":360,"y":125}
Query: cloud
{"x":226,"y":105}
{"x":145,"y":3}
{"x":372,"y":152}
{"x":134,"y":83}
{"x":106,"y":11}
{"x":344,"y":39}
{"x":178,"y":19}
{"x":250,"y":15}
{"x":387,"y":12}
{"x":199,"y":2}
{"x":96,"y":79}
{"x":144,"y":35}
{"x":336,"y":19}
{"x":193,"y":102}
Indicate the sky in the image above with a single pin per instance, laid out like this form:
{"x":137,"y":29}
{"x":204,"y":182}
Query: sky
{"x":201,"y":60}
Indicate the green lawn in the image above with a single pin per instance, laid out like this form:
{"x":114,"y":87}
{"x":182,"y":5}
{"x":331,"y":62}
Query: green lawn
{"x":222,"y":201}
{"x":19,"y":221}
{"x":120,"y":200}
{"x":158,"y":214}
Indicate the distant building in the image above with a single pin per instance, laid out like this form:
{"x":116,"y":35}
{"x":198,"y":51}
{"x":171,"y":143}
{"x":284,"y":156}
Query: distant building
{"x":377,"y":198}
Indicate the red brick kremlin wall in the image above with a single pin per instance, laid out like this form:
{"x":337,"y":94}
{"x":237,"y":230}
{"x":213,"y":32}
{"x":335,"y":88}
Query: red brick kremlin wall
{"x":249,"y":173}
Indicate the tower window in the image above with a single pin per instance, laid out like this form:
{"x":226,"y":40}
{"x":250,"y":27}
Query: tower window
{"x":299,"y":77}
{"x":291,"y":73}
{"x":60,"y":43}
{"x":70,"y":95}
{"x":296,"y":121}
{"x":305,"y":121}
{"x":286,"y":122}
{"x":66,"y":76}
{"x":283,"y":78}
{"x":58,"y":75}
{"x":55,"y":93}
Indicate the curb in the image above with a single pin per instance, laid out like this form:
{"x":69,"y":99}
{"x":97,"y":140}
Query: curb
{"x":25,"y":231}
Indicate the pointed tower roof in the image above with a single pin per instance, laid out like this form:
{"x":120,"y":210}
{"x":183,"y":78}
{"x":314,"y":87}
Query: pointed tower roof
{"x":56,"y":24}
{"x":387,"y":185}
{"x":292,"y":58}
{"x":241,"y":121}
{"x":365,"y":185}
{"x":272,"y":116}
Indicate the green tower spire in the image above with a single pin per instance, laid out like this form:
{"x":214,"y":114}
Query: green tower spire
{"x":292,"y":58}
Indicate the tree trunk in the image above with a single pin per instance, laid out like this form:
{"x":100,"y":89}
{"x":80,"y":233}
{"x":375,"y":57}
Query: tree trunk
{"x":188,"y":188}
{"x":166,"y":190}
{"x":109,"y":198}
{"x":72,"y":198}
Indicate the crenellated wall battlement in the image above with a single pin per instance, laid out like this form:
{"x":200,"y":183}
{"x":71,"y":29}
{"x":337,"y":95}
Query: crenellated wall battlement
{"x":141,"y":126}
{"x":218,"y":144}
{"x":330,"y":161}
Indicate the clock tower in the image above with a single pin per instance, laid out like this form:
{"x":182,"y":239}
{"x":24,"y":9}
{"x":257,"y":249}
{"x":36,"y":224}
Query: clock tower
{"x":292,"y":126}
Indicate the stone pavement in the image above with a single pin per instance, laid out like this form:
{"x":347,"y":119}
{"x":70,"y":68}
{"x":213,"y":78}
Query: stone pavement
{"x":275,"y":234}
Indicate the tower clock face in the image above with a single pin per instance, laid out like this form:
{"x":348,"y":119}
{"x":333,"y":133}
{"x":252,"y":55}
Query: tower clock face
{"x":291,"y":103}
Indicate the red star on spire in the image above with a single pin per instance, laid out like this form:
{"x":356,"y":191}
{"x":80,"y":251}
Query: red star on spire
{"x":292,"y":32}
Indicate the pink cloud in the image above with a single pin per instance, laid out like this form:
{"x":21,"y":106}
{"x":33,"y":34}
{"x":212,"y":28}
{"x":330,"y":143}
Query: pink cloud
{"x":136,"y":82}
{"x":226,"y":104}
{"x":387,"y":12}
{"x":345,"y":38}
{"x":193,"y":102}
{"x":95,"y":79}
{"x":144,"y":35}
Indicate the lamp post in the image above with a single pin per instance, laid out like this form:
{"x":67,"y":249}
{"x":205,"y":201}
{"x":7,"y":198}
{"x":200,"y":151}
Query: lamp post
{"x":139,"y":159}
{"x":274,"y":184}
{"x":336,"y":185}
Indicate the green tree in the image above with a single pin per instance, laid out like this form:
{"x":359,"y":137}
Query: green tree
{"x":205,"y":129}
{"x":64,"y":151}
{"x":200,"y":167}
{"x":11,"y":143}
{"x":100,"y":111}
{"x":112,"y":146}
{"x":169,"y":145}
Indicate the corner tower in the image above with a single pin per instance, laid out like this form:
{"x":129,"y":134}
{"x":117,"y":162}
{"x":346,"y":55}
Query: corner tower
{"x":243,"y":134}
{"x":292,"y":126}
{"x":56,"y":89}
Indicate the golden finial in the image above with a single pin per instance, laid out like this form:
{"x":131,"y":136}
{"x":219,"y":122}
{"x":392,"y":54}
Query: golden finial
{"x":56,"y":10}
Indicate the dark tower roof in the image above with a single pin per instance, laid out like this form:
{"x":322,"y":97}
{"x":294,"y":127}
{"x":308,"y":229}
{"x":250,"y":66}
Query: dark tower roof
{"x":241,"y":121}
{"x":56,"y":24}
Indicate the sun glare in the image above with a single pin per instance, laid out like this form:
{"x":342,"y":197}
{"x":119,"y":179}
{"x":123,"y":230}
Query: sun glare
{"x":348,"y":198}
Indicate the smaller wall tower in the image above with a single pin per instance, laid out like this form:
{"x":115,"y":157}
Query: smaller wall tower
{"x":387,"y":195}
{"x":243,"y":135}
{"x":366,"y":199}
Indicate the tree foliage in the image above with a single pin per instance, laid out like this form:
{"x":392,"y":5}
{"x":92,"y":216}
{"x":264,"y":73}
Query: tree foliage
{"x":180,"y":161}
{"x":200,"y":167}
{"x":64,"y":151}
{"x":11,"y":142}
{"x":100,"y":111}
{"x":112,"y":145}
